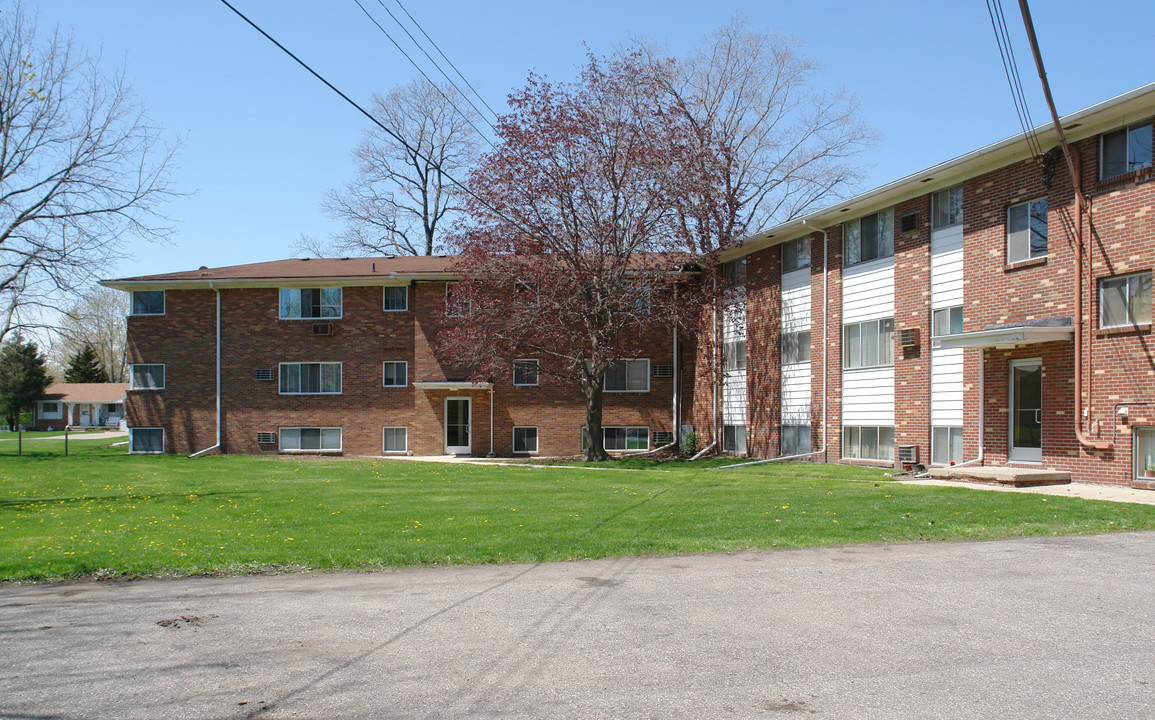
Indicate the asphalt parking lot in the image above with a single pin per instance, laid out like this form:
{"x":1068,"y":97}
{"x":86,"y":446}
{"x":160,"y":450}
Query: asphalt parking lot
{"x":1033,"y":628}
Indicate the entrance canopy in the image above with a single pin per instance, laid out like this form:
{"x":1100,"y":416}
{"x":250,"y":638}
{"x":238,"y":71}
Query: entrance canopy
{"x":1008,"y":335}
{"x":451,"y":385}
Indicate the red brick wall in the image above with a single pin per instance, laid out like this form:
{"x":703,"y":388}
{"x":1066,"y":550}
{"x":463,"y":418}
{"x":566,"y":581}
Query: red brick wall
{"x":763,"y":352}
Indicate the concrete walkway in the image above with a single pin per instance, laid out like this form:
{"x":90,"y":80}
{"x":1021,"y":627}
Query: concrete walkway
{"x":1079,"y":490}
{"x":77,"y":435}
{"x":1035,"y":628}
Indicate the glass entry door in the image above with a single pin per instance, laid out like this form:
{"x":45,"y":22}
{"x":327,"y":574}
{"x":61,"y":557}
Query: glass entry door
{"x":1026,"y":411}
{"x":457,"y":421}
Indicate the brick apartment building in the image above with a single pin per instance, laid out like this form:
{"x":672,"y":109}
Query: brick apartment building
{"x":934,"y":319}
{"x":336,"y":355}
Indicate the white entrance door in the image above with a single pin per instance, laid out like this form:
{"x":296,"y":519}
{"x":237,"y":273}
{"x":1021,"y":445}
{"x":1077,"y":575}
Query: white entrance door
{"x":458,"y":414}
{"x":1026,"y":411}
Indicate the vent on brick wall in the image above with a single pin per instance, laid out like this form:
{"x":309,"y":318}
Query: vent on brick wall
{"x":322,"y":328}
{"x":908,"y":454}
{"x":908,"y":222}
{"x":663,"y":370}
{"x":265,"y":438}
{"x":908,"y":337}
{"x":663,"y":438}
{"x":264,"y":373}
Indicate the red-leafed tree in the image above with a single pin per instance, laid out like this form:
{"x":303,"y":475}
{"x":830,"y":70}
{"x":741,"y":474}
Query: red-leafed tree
{"x":580,"y":229}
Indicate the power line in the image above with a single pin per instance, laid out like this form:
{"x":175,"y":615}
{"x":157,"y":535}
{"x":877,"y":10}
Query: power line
{"x":1010,"y":69}
{"x":427,"y":78}
{"x":436,"y":65}
{"x":375,"y":121}
{"x":442,"y":54}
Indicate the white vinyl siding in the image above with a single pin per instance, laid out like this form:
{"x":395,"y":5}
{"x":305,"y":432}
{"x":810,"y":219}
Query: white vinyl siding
{"x":796,"y":301}
{"x":946,"y":292}
{"x":868,"y":393}
{"x":733,"y":375}
{"x":868,"y":396}
{"x":796,"y":394}
{"x":868,"y":291}
{"x":795,"y":402}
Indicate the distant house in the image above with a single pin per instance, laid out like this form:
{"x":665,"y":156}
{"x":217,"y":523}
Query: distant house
{"x":81,"y":405}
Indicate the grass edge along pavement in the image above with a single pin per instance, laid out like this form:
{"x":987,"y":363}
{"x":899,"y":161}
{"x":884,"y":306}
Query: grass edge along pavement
{"x":103,"y":513}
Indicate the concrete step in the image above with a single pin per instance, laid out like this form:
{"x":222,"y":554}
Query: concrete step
{"x":1012,"y":477}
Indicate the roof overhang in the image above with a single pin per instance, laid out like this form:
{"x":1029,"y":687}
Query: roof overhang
{"x":1006,"y":338}
{"x":207,"y":283}
{"x":452,"y":385}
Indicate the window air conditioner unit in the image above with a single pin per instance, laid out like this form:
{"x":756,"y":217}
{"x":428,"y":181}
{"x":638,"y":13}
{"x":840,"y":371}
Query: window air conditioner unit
{"x":325,"y":328}
{"x":662,"y":370}
{"x":264,"y":373}
{"x":908,"y":337}
{"x":266,"y":438}
{"x":908,"y":454}
{"x":662,"y":438}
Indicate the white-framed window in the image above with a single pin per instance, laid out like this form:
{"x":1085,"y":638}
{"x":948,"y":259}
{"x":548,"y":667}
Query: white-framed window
{"x":868,"y":344}
{"x":868,"y":443}
{"x":1125,"y":150}
{"x":628,"y":376}
{"x":525,"y":440}
{"x":456,"y":306}
{"x":525,"y":372}
{"x":795,"y":439}
{"x":1144,"y":449}
{"x":946,"y":207}
{"x":734,"y":355}
{"x":868,"y":238}
{"x":309,"y":439}
{"x":311,"y":378}
{"x":734,"y":438}
{"x":1027,"y":230}
{"x":148,"y":302}
{"x":796,"y":347}
{"x":395,"y":373}
{"x":145,"y":440}
{"x":946,"y":321}
{"x":946,"y":445}
{"x":621,"y":438}
{"x":1125,"y":300}
{"x":51,"y":411}
{"x":146,"y":376}
{"x":310,"y":303}
{"x":396,"y":298}
{"x":395,"y":439}
{"x":796,"y":254}
{"x":735,"y":272}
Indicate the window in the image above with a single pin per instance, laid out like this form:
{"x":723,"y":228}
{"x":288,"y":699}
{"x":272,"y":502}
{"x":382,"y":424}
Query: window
{"x":146,"y":440}
{"x":1027,"y":231}
{"x":395,"y":373}
{"x":396,"y":299}
{"x":621,"y":438}
{"x":796,"y":254}
{"x":395,"y":439}
{"x":734,"y":438}
{"x":946,"y":445}
{"x":1125,"y":300}
{"x":795,"y":439}
{"x":796,"y":347}
{"x":310,"y":439}
{"x":869,"y":238}
{"x":1125,"y":150}
{"x":311,"y":378}
{"x":946,"y":208}
{"x":310,"y":303}
{"x":734,"y":355}
{"x":868,"y":344}
{"x":146,"y":377}
{"x":455,"y":306}
{"x":1144,"y":449}
{"x":148,"y":302}
{"x":628,"y":376}
{"x":525,"y":372}
{"x":868,"y":443}
{"x":947,"y":321}
{"x":50,"y":411}
{"x":525,"y":439}
{"x":735,"y":271}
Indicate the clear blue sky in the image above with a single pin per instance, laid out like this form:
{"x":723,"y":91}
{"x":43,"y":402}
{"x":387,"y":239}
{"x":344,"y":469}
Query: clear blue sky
{"x":263,"y":140}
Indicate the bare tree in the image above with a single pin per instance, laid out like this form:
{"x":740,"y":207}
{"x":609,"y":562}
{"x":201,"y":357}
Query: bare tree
{"x":80,"y":169}
{"x":789,"y":148}
{"x":402,"y":194}
{"x":97,"y":319}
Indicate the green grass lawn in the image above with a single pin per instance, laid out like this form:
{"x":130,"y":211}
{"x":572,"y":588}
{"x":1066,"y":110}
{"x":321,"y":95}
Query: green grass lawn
{"x":103,"y":512}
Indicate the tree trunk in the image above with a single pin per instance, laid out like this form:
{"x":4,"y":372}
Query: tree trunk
{"x":593,"y":387}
